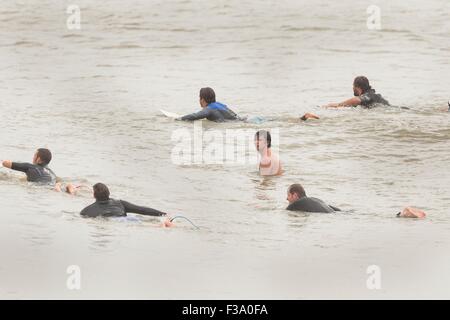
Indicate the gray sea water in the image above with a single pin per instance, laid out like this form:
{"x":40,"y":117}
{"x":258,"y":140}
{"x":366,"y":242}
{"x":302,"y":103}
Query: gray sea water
{"x":92,"y":96}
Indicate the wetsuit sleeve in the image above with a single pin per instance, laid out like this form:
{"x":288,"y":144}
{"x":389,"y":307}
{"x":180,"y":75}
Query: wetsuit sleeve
{"x":129,"y":207}
{"x":85,"y":212}
{"x":23,"y":167}
{"x":366,"y":99}
{"x":89,"y":211}
{"x":197,"y":115}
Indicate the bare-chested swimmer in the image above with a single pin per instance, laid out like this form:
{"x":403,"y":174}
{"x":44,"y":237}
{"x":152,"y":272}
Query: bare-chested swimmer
{"x":269,"y":161}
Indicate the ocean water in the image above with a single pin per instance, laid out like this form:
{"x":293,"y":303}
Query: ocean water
{"x":93,"y":97}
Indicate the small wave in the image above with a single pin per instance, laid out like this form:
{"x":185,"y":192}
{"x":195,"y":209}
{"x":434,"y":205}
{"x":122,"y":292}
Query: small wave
{"x":136,"y":28}
{"x":420,"y":135}
{"x":307,"y":29}
{"x":123,"y":46}
{"x":175,"y":46}
{"x":4,"y":176}
{"x":232,"y":27}
{"x":182,"y":30}
{"x":105,"y":66}
{"x":26,"y":43}
{"x":100,"y":76}
{"x":390,"y":30}
{"x":9,"y":12}
{"x":72,"y":35}
{"x":337,"y":50}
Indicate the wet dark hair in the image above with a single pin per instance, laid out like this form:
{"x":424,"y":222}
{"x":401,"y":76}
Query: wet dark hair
{"x":208,"y":95}
{"x":266,"y":135}
{"x":101,"y":192}
{"x":45,"y":155}
{"x":362,"y":83}
{"x":297,"y":189}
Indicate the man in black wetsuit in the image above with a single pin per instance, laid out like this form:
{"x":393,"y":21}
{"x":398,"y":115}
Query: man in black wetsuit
{"x":104,"y":206}
{"x":211,"y":110}
{"x":364,"y":95}
{"x":298,"y":201}
{"x":39,"y":172}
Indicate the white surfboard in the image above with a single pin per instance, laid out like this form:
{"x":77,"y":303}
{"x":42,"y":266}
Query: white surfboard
{"x":169,"y":114}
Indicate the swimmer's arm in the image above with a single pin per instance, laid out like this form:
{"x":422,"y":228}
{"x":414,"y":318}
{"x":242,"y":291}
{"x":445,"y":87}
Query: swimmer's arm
{"x":196,"y":115}
{"x":7,"y":164}
{"x":280,"y":169}
{"x":352,"y":102}
{"x":88,"y":212}
{"x":131,"y":208}
{"x":23,"y":167}
{"x":334,"y":208}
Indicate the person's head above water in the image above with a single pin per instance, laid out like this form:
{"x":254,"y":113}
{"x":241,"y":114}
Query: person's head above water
{"x":263,"y":140}
{"x":295,"y":192}
{"x":361,"y":85}
{"x":207,"y":96}
{"x":42,"y":157}
{"x":101,"y":192}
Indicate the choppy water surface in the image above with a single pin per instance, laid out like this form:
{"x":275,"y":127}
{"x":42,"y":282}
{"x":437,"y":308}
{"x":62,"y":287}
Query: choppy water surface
{"x":92,"y":96}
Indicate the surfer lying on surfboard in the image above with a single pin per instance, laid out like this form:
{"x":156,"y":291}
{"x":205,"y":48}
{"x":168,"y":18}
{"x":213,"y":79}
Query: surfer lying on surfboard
{"x":364,"y":96}
{"x":211,"y":110}
{"x":104,"y":206}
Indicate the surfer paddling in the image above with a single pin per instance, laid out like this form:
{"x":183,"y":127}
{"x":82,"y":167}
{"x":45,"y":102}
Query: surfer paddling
{"x":211,"y":109}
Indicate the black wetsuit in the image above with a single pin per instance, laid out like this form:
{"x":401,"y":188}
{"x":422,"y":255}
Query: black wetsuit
{"x":117,"y":208}
{"x":370,"y":98}
{"x":308,"y":204}
{"x":35,"y":172}
{"x":215,"y":111}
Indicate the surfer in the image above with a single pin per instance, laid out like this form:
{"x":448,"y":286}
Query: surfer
{"x":298,"y":201}
{"x":104,"y":206}
{"x":364,"y":95}
{"x":269,"y":162}
{"x":211,"y":109}
{"x":39,"y":172}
